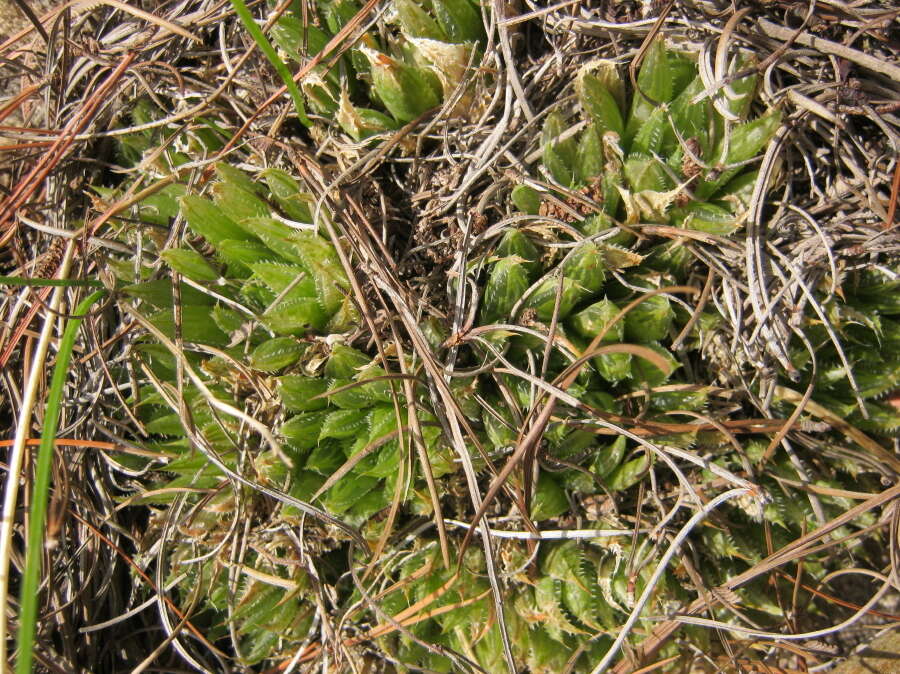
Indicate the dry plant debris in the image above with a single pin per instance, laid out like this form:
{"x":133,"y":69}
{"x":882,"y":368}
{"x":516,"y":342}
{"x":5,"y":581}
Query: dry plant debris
{"x":565,"y":338}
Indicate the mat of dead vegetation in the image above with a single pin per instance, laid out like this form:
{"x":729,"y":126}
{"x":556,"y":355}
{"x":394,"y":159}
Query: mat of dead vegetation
{"x":582,"y":356}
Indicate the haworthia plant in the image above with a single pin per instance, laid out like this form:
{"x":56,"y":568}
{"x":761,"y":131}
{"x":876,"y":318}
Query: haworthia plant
{"x":266,"y":317}
{"x":388,"y":79}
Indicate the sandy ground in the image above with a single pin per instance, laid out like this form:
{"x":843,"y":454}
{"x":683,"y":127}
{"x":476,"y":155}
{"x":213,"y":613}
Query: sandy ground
{"x":12,"y":18}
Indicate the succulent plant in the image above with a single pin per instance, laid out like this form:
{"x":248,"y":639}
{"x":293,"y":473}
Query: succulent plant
{"x":673,"y":155}
{"x":259,"y":304}
{"x":392,"y":78}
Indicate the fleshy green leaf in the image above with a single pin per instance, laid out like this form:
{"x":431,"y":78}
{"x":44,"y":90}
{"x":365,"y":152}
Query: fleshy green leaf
{"x":560,"y":156}
{"x":590,"y":155}
{"x":543,"y":299}
{"x":290,"y":198}
{"x":526,"y":199}
{"x":459,"y":19}
{"x":276,"y":354}
{"x":190,"y":263}
{"x":405,"y":90}
{"x":608,"y":458}
{"x":303,"y":430}
{"x":745,"y":142}
{"x":650,"y":320}
{"x":654,"y":81}
{"x":587,"y":267}
{"x":601,"y":105}
{"x":342,"y":424}
{"x":628,"y":474}
{"x":507,"y":282}
{"x":195,"y":325}
{"x":549,"y":498}
{"x":297,"y":393}
{"x":416,"y":22}
{"x":209,"y":221}
{"x":238,"y":202}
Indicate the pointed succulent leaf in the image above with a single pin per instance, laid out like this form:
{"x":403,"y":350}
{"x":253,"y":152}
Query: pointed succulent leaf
{"x":159,"y":293}
{"x":190,"y":263}
{"x":526,"y":199}
{"x":650,"y":320}
{"x":345,"y":318}
{"x":290,"y":198}
{"x":238,"y":202}
{"x":500,"y":431}
{"x":690,"y":117}
{"x":560,"y":156}
{"x":195,"y":325}
{"x":649,"y":137}
{"x":343,"y":424}
{"x":627,"y":474}
{"x":646,"y":373}
{"x":242,"y":254}
{"x":683,"y":70}
{"x":302,"y":431}
{"x":654,"y":83}
{"x":227,"y":318}
{"x":589,"y":157}
{"x":586,"y":266}
{"x":507,"y":282}
{"x":515,"y":244}
{"x":602,"y":106}
{"x":608,"y":458}
{"x":416,"y":22}
{"x":613,"y":367}
{"x":294,"y":316}
{"x":738,"y":193}
{"x":280,"y":277}
{"x":744,"y":143}
{"x":325,"y":267}
{"x":165,"y":424}
{"x":543,"y":299}
{"x":299,"y":393}
{"x":276,"y":354}
{"x":231,"y":175}
{"x":345,"y":362}
{"x":705,"y":217}
{"x":549,"y":498}
{"x":644,"y":173}
{"x":740,"y":92}
{"x":405,"y":90}
{"x":460,"y":20}
{"x":591,"y":321}
{"x":338,"y":13}
{"x":206,"y":219}
{"x":277,"y":236}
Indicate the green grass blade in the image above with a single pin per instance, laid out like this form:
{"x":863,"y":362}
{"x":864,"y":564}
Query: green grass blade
{"x":65,"y":283}
{"x":240,"y":8}
{"x":28,"y":599}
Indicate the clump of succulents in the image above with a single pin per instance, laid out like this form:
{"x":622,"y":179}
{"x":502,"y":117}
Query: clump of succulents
{"x":388,"y":79}
{"x":668,"y":155}
{"x":262,"y":308}
{"x":866,"y":320}
{"x":258,"y":302}
{"x":674,"y":154}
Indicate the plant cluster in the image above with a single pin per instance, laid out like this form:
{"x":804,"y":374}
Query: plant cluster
{"x":391,"y":77}
{"x":250,"y":367}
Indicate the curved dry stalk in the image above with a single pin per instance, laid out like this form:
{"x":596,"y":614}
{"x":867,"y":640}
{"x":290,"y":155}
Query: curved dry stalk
{"x":673,"y":548}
